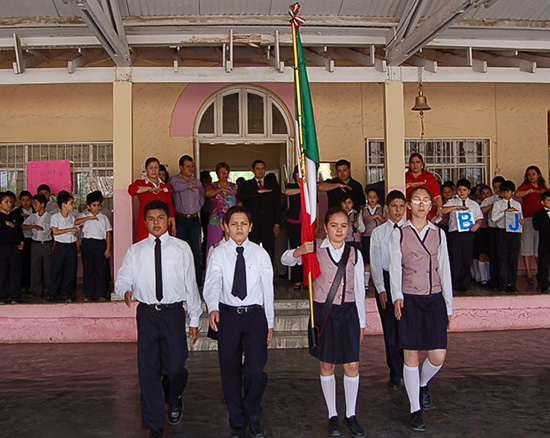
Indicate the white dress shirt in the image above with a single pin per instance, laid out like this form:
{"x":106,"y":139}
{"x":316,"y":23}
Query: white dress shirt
{"x":396,"y":272}
{"x":137,"y":274}
{"x":27,"y":233}
{"x":259,"y":278}
{"x":485,"y":203}
{"x":288,"y":259}
{"x":61,"y":223}
{"x":361,"y":227}
{"x":44,"y":235}
{"x":499,"y":213}
{"x":380,"y":253}
{"x":473,"y":206}
{"x":52,"y":207}
{"x":95,"y":229}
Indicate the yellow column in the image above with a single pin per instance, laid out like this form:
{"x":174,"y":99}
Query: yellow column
{"x":394,"y":135}
{"x":123,"y":164}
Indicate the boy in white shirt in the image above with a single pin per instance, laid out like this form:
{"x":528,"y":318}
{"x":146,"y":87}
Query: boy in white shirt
{"x":508,"y":243}
{"x":461,"y":243}
{"x":65,"y":251}
{"x":41,"y":248}
{"x":238,"y":291}
{"x":96,"y":246}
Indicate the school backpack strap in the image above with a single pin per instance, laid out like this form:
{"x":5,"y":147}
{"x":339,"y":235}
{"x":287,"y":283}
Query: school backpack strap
{"x":332,"y":293}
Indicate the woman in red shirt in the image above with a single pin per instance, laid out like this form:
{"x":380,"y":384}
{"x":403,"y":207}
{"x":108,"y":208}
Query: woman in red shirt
{"x":530,"y":191}
{"x":151,"y":189}
{"x":416,"y":176}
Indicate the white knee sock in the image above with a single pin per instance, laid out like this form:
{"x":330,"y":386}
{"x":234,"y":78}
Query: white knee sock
{"x":485,"y":271}
{"x":328,"y":385}
{"x":476,"y":274}
{"x":367,"y":278}
{"x":428,"y":371}
{"x":411,"y":376}
{"x":351,"y":388}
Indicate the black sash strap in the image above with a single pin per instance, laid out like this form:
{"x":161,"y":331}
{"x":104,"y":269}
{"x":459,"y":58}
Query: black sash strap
{"x":334,"y":287}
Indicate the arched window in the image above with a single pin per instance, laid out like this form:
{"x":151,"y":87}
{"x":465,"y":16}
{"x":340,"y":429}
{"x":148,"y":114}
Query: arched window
{"x":241,"y":113}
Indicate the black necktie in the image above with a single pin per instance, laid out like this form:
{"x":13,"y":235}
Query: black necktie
{"x":509,"y":204}
{"x":464,"y":202}
{"x":239,"y":279}
{"x":395,"y":226}
{"x":158,"y":270}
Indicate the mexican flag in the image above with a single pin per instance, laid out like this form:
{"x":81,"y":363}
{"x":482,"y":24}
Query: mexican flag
{"x":308,"y":151}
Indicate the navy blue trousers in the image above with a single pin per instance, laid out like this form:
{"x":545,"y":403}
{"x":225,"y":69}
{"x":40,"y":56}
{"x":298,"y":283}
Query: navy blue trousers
{"x":461,"y":254}
{"x":162,"y":352}
{"x":390,"y":327}
{"x":246,"y":333}
{"x":508,"y":245}
{"x":190,"y":231}
{"x":10,"y":271}
{"x":94,"y":266}
{"x":63,"y":274}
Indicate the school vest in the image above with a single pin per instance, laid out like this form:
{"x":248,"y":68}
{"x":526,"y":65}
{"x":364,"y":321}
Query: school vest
{"x":323,"y":283}
{"x":371,"y":225}
{"x":353,"y":234}
{"x":419,"y":262}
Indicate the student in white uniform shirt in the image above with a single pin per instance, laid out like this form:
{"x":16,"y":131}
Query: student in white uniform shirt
{"x":461,"y":244}
{"x":96,"y":248}
{"x":159,"y":273}
{"x":380,"y":267}
{"x":341,"y":329}
{"x":41,"y":248}
{"x":238,"y":291}
{"x":65,"y":251}
{"x":508,"y":244}
{"x":422,"y":294}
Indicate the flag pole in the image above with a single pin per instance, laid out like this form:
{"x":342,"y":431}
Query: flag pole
{"x":300,"y":148}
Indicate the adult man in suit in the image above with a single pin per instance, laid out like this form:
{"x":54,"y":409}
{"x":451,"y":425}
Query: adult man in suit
{"x":541,"y":223}
{"x":262,"y":196}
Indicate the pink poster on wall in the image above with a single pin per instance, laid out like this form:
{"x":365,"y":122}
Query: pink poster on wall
{"x":57,"y":174}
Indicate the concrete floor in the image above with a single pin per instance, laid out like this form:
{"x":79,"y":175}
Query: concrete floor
{"x":494,"y":384}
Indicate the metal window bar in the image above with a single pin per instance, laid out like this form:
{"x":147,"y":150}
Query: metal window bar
{"x":88,"y":159}
{"x":447,"y":158}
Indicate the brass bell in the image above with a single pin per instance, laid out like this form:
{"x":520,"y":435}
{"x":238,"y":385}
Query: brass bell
{"x":421,"y":102}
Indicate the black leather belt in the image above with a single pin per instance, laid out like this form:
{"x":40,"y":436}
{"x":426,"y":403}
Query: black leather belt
{"x":240,"y":309}
{"x":160,"y":307}
{"x":187,"y":216}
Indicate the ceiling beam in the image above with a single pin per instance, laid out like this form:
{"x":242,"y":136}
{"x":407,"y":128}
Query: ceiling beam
{"x":542,"y":61}
{"x":319,"y":59}
{"x":368,"y":60}
{"x":427,"y":31}
{"x":503,"y":61}
{"x":420,"y":61}
{"x":107,"y":27}
{"x":408,"y":22}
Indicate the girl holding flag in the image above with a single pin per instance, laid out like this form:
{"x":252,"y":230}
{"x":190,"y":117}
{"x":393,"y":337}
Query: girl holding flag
{"x":340,"y":313}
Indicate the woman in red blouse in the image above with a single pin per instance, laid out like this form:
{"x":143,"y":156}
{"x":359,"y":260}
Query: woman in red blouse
{"x":416,"y":176}
{"x":151,"y":189}
{"x":533,"y":185}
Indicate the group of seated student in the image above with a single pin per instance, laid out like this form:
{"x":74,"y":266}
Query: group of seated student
{"x":503,"y":223}
{"x":40,"y":241}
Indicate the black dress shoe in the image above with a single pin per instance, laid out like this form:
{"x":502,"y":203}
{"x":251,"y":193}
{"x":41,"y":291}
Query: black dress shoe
{"x":334,"y":427}
{"x":159,"y":433}
{"x":256,"y":429}
{"x":354,"y":427}
{"x":237,"y":432}
{"x":175,"y":413}
{"x":511,"y":289}
{"x":394,"y":385}
{"x":416,"y":422}
{"x":425,"y":398}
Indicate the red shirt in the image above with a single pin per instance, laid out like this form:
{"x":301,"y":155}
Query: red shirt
{"x":531,"y":202}
{"x":425,"y":179}
{"x":144,"y":198}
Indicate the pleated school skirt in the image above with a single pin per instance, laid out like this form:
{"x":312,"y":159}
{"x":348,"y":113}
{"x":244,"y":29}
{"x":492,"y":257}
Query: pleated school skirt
{"x":340,"y":335}
{"x":423,"y":323}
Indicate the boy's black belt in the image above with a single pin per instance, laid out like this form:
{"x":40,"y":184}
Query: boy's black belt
{"x":160,"y":306}
{"x":240,"y":309}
